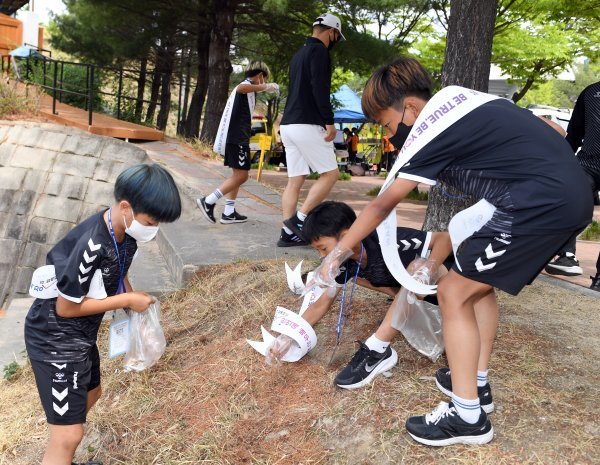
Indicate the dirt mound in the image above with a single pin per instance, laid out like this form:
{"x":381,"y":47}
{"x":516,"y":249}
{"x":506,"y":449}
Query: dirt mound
{"x":211,"y":398}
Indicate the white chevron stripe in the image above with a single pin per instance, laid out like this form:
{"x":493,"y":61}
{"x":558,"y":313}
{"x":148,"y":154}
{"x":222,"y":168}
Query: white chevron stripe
{"x":417,"y":242}
{"x":84,"y":270}
{"x":93,"y":247}
{"x":60,"y":395}
{"x":60,"y":367}
{"x":489,"y":252}
{"x":481,"y":267}
{"x":406,"y":244}
{"x":83,"y":280}
{"x":87,"y":258}
{"x":60,"y":410}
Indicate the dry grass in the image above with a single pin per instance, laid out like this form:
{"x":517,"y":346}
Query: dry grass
{"x":17,"y":100}
{"x":212,"y":400}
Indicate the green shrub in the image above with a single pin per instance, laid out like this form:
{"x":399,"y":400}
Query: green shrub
{"x":15,"y":100}
{"x":12,"y":371}
{"x":416,"y":195}
{"x":374,"y":192}
{"x":342,"y":177}
{"x":592,"y":232}
{"x":254,"y":166}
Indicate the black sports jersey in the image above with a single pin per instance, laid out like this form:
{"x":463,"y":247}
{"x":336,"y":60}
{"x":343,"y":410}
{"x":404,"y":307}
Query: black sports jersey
{"x":411,"y":244}
{"x":504,"y":154}
{"x":584,"y":129}
{"x":239,"y":131}
{"x":85,"y":249}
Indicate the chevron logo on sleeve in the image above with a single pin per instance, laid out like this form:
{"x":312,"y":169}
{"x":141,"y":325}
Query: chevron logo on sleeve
{"x":87,"y":259}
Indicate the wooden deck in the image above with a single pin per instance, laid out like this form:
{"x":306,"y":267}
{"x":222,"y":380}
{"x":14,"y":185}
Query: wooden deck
{"x":103,"y":125}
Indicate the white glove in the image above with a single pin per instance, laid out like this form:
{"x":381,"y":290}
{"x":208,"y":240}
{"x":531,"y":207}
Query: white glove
{"x":272,"y":87}
{"x":328,"y":270}
{"x":277,"y":350}
{"x":424,"y":271}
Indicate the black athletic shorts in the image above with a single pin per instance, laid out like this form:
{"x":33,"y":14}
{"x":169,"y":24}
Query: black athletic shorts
{"x":237,"y":156}
{"x":63,"y":387}
{"x":508,"y":262}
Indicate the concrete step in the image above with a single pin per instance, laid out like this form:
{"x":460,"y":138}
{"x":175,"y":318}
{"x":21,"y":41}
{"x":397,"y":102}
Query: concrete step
{"x":12,"y":342}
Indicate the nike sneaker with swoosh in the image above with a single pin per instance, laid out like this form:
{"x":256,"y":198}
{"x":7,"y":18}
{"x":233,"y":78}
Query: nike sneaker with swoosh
{"x":364,"y":366}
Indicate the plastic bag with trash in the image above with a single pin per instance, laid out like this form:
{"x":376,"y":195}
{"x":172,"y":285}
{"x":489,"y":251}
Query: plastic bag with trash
{"x":419,"y":322}
{"x":147,"y":340}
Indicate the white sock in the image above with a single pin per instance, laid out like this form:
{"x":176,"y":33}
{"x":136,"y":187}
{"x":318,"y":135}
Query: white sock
{"x":482,"y":378}
{"x":376,"y":344}
{"x":212,"y":198}
{"x":287,"y":230}
{"x":469,"y":410}
{"x":301,"y":216}
{"x":229,"y":207}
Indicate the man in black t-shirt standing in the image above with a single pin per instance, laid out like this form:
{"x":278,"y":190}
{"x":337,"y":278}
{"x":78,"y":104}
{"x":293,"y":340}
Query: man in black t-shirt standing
{"x":307,"y":129}
{"x":583,"y":131}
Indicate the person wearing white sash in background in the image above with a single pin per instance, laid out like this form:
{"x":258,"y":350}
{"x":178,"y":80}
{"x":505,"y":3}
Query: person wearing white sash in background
{"x":233,"y":142}
{"x":533,"y":195}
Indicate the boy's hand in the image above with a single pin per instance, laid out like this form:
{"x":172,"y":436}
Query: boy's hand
{"x":329,"y":268}
{"x":277,"y":350}
{"x":139,"y":301}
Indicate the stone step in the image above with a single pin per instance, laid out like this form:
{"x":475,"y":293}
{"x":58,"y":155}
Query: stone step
{"x":150,"y":273}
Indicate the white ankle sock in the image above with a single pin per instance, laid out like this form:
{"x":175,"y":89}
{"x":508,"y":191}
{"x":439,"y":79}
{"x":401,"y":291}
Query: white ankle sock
{"x":212,"y":198}
{"x":373,"y":343}
{"x":482,"y":378}
{"x":287,"y":230}
{"x":469,"y":410}
{"x":301,"y":216}
{"x":229,"y":207}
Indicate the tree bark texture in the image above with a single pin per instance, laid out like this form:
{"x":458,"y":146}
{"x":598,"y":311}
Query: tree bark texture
{"x":219,"y":67}
{"x":141,"y":88}
{"x":466,"y":63}
{"x":154,"y":89}
{"x":165,"y":93}
{"x":192,"y":122}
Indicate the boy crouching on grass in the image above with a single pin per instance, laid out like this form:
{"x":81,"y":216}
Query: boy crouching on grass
{"x":327,"y":224}
{"x":61,"y":332}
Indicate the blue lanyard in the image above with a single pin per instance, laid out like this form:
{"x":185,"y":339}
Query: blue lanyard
{"x":344,"y":308}
{"x":121,"y":265}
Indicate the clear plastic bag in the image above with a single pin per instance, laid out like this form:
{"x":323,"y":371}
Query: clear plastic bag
{"x":147,"y":340}
{"x":419,"y":322}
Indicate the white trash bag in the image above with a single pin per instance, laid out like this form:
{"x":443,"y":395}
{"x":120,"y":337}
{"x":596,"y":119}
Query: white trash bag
{"x":419,"y":322}
{"x":147,"y":340}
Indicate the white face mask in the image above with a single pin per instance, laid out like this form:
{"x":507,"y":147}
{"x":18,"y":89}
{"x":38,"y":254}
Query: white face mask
{"x":140,"y":232}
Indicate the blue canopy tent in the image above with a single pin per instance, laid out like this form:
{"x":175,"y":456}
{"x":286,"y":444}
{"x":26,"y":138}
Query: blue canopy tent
{"x":348,"y":106}
{"x":24,"y":51}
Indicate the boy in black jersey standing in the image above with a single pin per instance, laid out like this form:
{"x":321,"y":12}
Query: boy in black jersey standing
{"x":233,"y":142}
{"x":91,"y":260}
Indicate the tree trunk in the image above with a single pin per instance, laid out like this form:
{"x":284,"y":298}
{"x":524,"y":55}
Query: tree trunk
{"x":466,"y":63}
{"x":165,"y":94}
{"x":192,"y":122}
{"x":141,"y":88}
{"x":156,"y":78}
{"x":219,"y":68}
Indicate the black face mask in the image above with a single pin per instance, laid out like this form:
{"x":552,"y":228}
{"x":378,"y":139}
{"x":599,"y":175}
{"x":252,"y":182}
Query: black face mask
{"x":402,"y":132}
{"x":332,"y":43}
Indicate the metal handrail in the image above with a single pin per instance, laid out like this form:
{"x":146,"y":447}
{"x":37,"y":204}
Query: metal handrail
{"x":57,"y":88}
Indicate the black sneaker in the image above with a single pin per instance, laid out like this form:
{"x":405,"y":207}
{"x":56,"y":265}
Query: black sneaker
{"x":295,"y":224}
{"x":444,"y":384}
{"x":566,"y":264}
{"x":595,"y":283}
{"x":290,"y":240}
{"x":235,"y":217}
{"x":444,"y":427}
{"x":90,"y":462}
{"x":207,"y":210}
{"x":365,"y":366}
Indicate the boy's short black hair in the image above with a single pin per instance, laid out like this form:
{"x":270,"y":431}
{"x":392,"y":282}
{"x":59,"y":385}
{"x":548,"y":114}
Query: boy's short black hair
{"x":327,"y":219}
{"x":151,"y":190}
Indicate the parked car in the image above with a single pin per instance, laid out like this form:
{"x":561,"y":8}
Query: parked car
{"x":276,"y":153}
{"x":561,"y":116}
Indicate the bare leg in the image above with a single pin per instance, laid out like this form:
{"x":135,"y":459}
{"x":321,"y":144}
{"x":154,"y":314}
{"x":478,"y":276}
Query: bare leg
{"x":457,"y":296}
{"x":486,"y":313}
{"x":63,"y":442}
{"x":319,"y":190}
{"x":386,"y":332}
{"x":93,"y":397}
{"x":231,"y":185}
{"x":289,"y":199}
